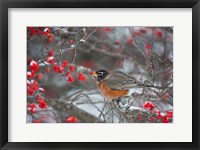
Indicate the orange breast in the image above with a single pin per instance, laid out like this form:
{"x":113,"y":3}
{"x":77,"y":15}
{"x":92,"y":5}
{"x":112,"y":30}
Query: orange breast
{"x":110,"y":94}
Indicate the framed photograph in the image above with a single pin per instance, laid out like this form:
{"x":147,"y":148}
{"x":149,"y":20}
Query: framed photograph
{"x":87,"y":74}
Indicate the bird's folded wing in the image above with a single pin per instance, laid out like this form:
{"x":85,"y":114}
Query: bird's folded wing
{"x":120,"y":81}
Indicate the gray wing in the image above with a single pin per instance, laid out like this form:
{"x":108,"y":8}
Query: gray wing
{"x":119,"y":80}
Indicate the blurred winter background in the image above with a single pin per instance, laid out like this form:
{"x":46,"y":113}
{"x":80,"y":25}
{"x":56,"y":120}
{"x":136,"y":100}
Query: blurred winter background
{"x":60,"y":88}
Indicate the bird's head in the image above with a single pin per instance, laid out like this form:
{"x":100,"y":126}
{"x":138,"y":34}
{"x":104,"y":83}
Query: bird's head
{"x":100,"y":74}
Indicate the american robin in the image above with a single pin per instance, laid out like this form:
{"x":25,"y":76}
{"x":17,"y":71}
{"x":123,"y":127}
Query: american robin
{"x":115,"y":85}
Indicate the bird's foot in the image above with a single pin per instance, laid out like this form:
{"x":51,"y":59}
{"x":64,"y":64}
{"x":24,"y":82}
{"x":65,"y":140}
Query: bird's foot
{"x":117,"y":103}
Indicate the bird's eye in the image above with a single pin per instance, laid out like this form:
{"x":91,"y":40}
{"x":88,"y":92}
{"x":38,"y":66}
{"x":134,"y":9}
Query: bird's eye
{"x":100,"y":73}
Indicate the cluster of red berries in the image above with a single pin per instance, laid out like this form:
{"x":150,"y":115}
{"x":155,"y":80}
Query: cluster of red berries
{"x":165,"y":118}
{"x":61,"y":69}
{"x":33,"y":73}
{"x":41,"y":103}
{"x":157,"y":33}
{"x":71,"y":119}
{"x":33,"y":87}
{"x":32,"y":107}
{"x":41,"y":31}
{"x":129,"y":41}
{"x":149,"y":105}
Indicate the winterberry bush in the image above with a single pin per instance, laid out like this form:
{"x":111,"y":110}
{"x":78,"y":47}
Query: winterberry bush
{"x":60,"y":61}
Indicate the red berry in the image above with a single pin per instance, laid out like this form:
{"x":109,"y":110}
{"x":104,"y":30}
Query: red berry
{"x":50,"y":39}
{"x":149,"y":105}
{"x":71,"y":41}
{"x":62,"y":69}
{"x":165,"y":119}
{"x":42,"y":103}
{"x":71,"y":119}
{"x":47,"y":30}
{"x":148,"y":46}
{"x":50,"y":59}
{"x":166,"y":95}
{"x":29,"y":74}
{"x":159,"y":34}
{"x":70,"y":79}
{"x":71,"y":67}
{"x":32,"y":87}
{"x":68,"y":73}
{"x":91,"y":72}
{"x":108,"y":29}
{"x":169,"y":114}
{"x":50,"y":53}
{"x":32,"y":107}
{"x":34,"y":66}
{"x":57,"y":69}
{"x":65,"y":63}
{"x":152,"y":119}
{"x":37,"y":96}
{"x":143,"y":31}
{"x":129,"y":41}
{"x":37,"y":121}
{"x":40,"y":76}
{"x":81,"y":77}
{"x":117,"y":42}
